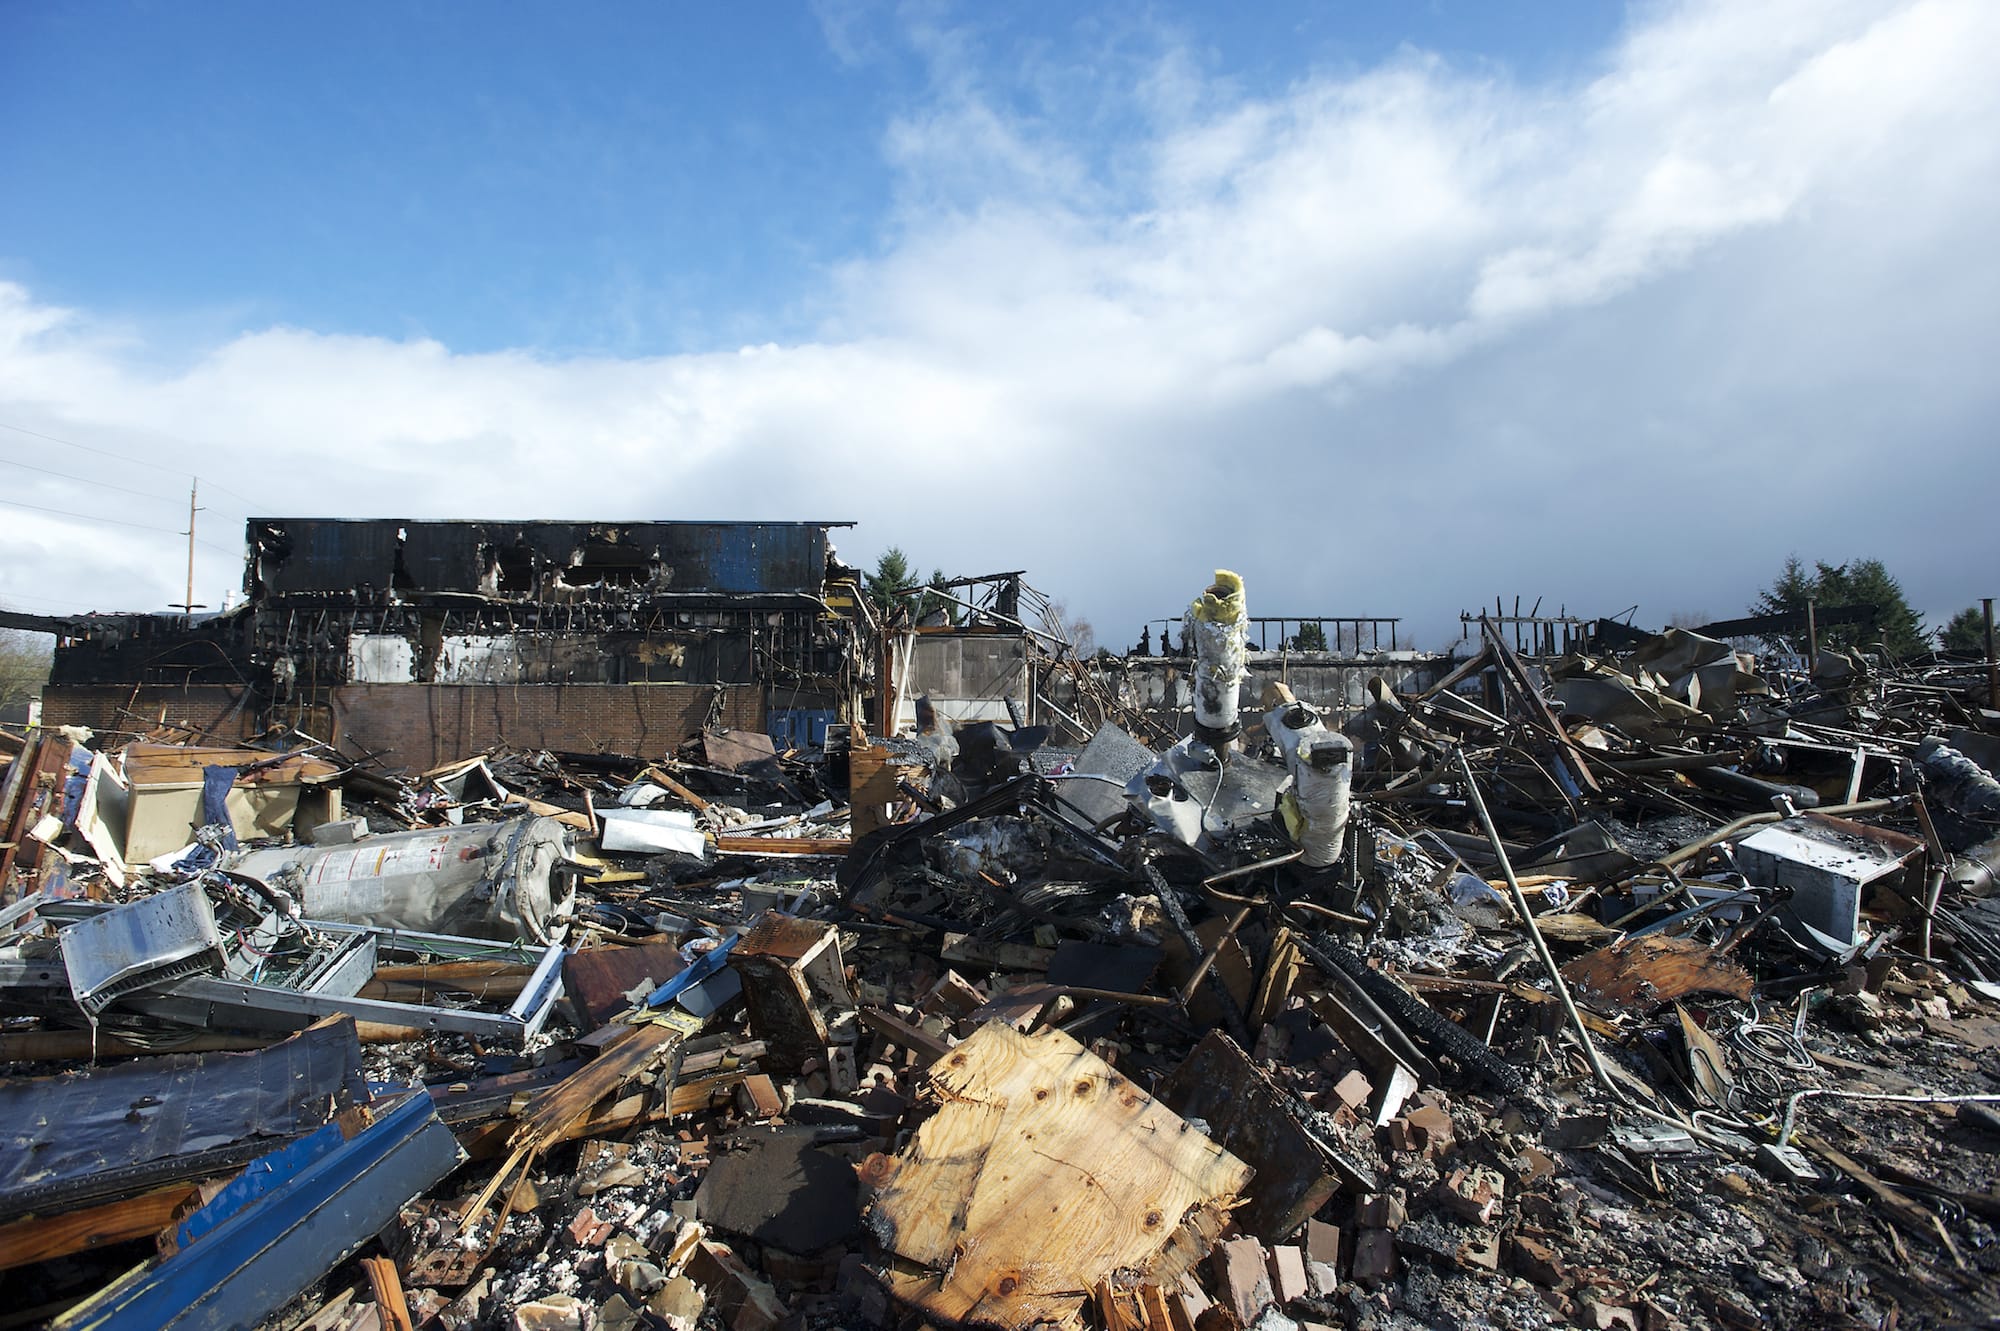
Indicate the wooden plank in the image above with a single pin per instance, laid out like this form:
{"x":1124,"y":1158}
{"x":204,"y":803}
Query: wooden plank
{"x":387,"y":1285}
{"x":545,"y":1116}
{"x":969,"y":951}
{"x":927,"y":1047}
{"x":41,"y":787}
{"x":1043,"y":1171}
{"x":782,"y":845}
{"x":673,"y":787}
{"x":1281,"y":972}
{"x":39,"y":1238}
{"x":1538,"y":709}
{"x":871,"y":786}
{"x":490,"y":980}
{"x":1906,"y":1213}
{"x":44,"y":1046}
{"x":1453,"y":984}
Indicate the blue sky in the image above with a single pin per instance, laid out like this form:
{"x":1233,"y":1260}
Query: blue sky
{"x":627,"y":177}
{"x":1601,"y":304}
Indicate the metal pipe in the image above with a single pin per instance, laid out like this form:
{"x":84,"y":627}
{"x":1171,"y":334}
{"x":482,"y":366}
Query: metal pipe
{"x":1694,"y":848}
{"x":1244,"y":871}
{"x":1556,"y":981}
{"x":1354,"y":921}
{"x":1992,"y":662}
{"x":1527,"y":915}
{"x":1118,"y":996}
{"x":1201,"y":971}
{"x":1792,"y":1105}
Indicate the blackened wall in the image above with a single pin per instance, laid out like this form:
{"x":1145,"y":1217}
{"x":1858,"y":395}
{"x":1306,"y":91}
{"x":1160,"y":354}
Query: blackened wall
{"x":419,"y":726}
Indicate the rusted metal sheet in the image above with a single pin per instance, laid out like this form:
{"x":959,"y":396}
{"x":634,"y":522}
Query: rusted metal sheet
{"x":1643,"y":974}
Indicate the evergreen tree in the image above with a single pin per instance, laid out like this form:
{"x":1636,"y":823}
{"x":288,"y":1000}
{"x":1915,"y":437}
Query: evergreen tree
{"x":1898,"y":629}
{"x":891,"y":575}
{"x":931,"y":603}
{"x":1964,"y":631}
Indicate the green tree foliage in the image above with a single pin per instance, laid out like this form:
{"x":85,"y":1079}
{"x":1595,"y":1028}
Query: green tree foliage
{"x":1309,"y":638}
{"x":1964,"y":631}
{"x":930,"y":603}
{"x":891,"y":575}
{"x":1898,"y":629}
{"x":25,"y":659}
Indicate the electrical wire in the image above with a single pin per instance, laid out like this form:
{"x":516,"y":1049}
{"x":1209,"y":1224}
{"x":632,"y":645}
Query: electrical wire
{"x":140,"y":462}
{"x":92,"y":517}
{"x":1792,"y":1105}
{"x":85,"y":480}
{"x":116,"y":522}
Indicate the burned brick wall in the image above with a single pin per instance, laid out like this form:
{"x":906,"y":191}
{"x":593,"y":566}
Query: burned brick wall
{"x":474,"y":608}
{"x":204,"y":711}
{"x":420,"y":726}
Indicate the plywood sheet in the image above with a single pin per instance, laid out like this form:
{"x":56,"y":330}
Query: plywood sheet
{"x":1042,"y":1171}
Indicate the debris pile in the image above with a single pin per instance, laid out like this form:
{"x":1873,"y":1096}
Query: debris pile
{"x":1641,"y":990}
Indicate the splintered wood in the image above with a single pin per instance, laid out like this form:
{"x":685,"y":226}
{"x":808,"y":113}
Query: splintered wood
{"x":1043,"y":1172}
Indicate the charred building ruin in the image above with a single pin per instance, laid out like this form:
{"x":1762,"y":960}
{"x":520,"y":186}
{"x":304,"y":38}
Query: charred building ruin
{"x":416,"y":641}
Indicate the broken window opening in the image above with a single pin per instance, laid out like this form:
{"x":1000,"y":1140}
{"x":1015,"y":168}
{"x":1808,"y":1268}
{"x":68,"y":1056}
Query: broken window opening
{"x":602,"y":564}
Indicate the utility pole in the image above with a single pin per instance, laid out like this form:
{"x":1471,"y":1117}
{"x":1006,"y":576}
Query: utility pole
{"x":194,"y":484}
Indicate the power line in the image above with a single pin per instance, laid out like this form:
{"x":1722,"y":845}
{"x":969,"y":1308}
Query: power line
{"x":141,"y":462}
{"x":44,"y":600}
{"x":85,"y":480}
{"x":90,"y":448}
{"x":92,"y":517}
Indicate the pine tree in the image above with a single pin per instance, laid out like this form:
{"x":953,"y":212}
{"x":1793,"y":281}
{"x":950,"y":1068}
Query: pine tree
{"x":1309,"y":638}
{"x":891,"y":575}
{"x":1964,"y":631}
{"x":1898,"y":629}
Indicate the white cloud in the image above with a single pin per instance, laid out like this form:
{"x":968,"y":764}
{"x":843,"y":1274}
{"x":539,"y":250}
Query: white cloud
{"x":1387,"y":343}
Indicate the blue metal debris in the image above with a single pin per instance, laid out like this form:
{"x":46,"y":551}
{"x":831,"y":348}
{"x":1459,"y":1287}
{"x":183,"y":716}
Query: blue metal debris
{"x":290,"y":1217}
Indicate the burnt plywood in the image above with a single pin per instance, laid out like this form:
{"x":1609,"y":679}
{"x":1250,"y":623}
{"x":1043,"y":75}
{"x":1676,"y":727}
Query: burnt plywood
{"x":598,"y":981}
{"x":1245,"y":1113}
{"x":1043,"y":1171}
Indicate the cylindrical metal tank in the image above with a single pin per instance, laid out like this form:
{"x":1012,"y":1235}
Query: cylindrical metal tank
{"x":482,"y":880}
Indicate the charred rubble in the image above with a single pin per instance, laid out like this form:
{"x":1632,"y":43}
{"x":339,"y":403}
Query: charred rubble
{"x":1619,"y":981}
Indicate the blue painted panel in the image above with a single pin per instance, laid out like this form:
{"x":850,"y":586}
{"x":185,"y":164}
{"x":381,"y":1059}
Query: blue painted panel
{"x":287,"y":1219}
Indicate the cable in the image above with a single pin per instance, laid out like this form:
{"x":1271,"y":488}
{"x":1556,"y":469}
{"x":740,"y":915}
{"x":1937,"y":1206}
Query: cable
{"x":141,"y":462}
{"x":119,"y":522}
{"x":71,"y":443}
{"x":85,"y":480}
{"x":1792,"y":1105}
{"x":91,"y":517}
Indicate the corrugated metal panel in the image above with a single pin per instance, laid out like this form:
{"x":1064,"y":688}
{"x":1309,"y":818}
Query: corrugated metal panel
{"x":326,"y":555}
{"x":443,"y":556}
{"x":725,"y":558}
